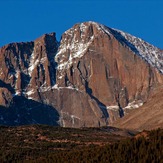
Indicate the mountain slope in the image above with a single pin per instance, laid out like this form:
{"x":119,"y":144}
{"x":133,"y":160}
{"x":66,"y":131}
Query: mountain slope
{"x":94,"y":76}
{"x":149,"y":116}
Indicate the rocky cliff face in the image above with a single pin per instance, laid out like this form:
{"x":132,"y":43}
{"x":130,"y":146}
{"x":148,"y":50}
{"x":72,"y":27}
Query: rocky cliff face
{"x":95,"y":76}
{"x":104,"y":63}
{"x":27,"y":67}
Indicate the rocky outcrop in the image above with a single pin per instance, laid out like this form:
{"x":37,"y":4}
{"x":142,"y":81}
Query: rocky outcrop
{"x":42,"y":66}
{"x":94,"y":77}
{"x":24,"y":66}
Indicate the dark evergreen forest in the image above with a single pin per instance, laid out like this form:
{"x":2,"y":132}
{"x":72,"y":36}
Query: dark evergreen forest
{"x":89,"y":145}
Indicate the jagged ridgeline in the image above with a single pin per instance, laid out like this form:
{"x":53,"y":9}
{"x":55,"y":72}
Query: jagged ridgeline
{"x":92,"y":77}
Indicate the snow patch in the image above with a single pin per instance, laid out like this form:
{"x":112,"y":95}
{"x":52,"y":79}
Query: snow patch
{"x":113,"y":107}
{"x":17,"y":93}
{"x":33,"y":63}
{"x":76,"y":49}
{"x":73,"y":117}
{"x":44,"y":88}
{"x":43,"y":59}
{"x":150,"y":53}
{"x":134,"y":105}
{"x":30,"y":92}
{"x":69,"y":87}
{"x":55,"y":86}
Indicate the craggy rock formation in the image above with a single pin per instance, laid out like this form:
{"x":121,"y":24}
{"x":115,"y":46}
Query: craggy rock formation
{"x":95,"y":76}
{"x":28,"y":66}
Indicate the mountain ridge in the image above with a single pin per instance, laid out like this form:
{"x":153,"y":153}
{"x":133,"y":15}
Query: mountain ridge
{"x":66,"y":75}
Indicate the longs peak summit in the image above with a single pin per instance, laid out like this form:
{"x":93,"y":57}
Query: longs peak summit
{"x":93,"y":77}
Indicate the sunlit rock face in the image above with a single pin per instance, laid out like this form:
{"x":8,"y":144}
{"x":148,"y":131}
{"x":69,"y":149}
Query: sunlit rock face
{"x":93,"y":77}
{"x":112,"y":67}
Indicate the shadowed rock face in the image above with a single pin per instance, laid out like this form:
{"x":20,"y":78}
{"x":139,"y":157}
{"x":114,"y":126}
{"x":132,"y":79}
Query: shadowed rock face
{"x":91,"y":79}
{"x":24,"y":111}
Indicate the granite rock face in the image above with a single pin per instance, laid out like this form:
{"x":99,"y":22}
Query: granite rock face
{"x":103,"y":63}
{"x":93,"y":77}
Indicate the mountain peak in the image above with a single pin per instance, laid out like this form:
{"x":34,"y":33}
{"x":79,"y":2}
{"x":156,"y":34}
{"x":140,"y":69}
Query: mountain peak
{"x":100,"y":75}
{"x":78,"y":38}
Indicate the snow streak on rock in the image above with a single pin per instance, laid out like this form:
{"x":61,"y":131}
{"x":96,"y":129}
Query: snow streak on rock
{"x":32,"y":64}
{"x":150,"y":53}
{"x":72,"y":47}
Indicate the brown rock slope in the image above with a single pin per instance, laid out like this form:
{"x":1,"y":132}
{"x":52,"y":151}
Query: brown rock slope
{"x":95,"y":76}
{"x":149,"y":116}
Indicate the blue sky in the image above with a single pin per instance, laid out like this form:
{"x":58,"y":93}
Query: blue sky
{"x":26,"y":20}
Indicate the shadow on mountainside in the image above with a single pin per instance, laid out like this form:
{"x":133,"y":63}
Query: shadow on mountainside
{"x":8,"y":86}
{"x":100,"y":104}
{"x":25,"y":111}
